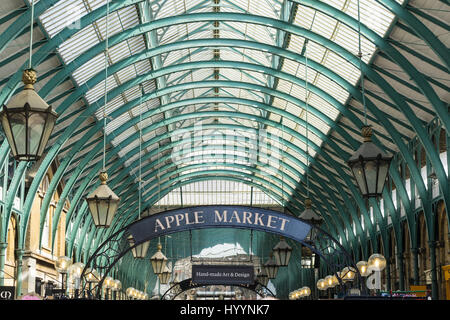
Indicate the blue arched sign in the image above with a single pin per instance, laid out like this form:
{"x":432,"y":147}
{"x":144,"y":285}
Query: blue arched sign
{"x":219,"y":217}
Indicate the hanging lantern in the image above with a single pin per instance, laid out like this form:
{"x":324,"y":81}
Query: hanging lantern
{"x":271,"y":268}
{"x":311,"y":217}
{"x":369,"y":166}
{"x":158,"y":260}
{"x":139,"y":251}
{"x":164,"y":277}
{"x":103,"y":203}
{"x":282,"y":253}
{"x":28,"y":121}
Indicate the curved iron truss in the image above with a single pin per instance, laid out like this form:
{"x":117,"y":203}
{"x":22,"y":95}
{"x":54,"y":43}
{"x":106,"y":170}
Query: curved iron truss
{"x":406,"y":98}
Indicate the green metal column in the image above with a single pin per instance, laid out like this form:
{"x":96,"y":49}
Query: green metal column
{"x":434,"y":283}
{"x":401,"y":273}
{"x":388,"y":275}
{"x":415,"y":254}
{"x":19,"y":260}
{"x":3,"y":246}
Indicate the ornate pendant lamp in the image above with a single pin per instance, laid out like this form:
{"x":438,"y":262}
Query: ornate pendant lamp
{"x":158,"y":260}
{"x":27,"y":120}
{"x":139,"y":251}
{"x":103,"y":202}
{"x":310,"y":216}
{"x":369,"y":165}
{"x":282,"y":253}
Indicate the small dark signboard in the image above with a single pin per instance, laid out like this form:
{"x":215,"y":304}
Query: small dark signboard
{"x":7,"y":292}
{"x":222,"y":274}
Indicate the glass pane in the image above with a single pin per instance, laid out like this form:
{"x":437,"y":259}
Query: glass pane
{"x":36,"y":124}
{"x":18,"y":130}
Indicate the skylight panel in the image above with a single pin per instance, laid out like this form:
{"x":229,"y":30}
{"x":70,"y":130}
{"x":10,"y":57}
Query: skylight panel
{"x":323,"y":106}
{"x":99,"y":90}
{"x":116,"y":123}
{"x":342,"y":67}
{"x":373,"y":15}
{"x":89,"y":69}
{"x":348,"y":39}
{"x":119,"y":138}
{"x":324,"y":25}
{"x":112,"y":105}
{"x":78,"y":43}
{"x":119,"y":52}
{"x":262,"y":8}
{"x":126,"y":74}
{"x":332,"y":88}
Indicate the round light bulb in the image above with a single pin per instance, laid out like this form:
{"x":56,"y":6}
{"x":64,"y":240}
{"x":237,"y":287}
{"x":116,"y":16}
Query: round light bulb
{"x":376,"y":262}
{"x":363,"y":268}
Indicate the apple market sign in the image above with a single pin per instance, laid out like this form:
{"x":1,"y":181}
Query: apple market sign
{"x":219,"y":217}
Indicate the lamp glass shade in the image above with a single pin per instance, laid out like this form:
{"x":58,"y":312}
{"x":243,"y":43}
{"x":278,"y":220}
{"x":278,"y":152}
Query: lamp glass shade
{"x":271,"y":268}
{"x":282,"y":253}
{"x":91,"y":276}
{"x":27,"y":121}
{"x":164,"y":276}
{"x":62,"y":264}
{"x":139,"y":251}
{"x":369,"y":166}
{"x":376,"y":262}
{"x":158,"y":260}
{"x":103,"y":203}
{"x":363,"y":268}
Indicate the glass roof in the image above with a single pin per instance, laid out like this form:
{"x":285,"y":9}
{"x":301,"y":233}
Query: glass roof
{"x":284,"y":145}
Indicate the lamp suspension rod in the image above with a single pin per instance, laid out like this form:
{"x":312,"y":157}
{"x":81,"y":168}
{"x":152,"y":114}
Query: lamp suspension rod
{"x":306,"y":119}
{"x":106,"y":89}
{"x":360,"y":64}
{"x":140,"y":151}
{"x":31,"y":34}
